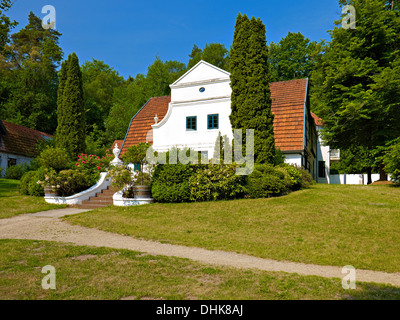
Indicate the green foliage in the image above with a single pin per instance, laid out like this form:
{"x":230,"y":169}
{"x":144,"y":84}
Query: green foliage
{"x":133,"y":94}
{"x":214,"y":53}
{"x":28,"y":73}
{"x":71,"y":129}
{"x":171,"y":182}
{"x":266,"y":181}
{"x":216,"y":182}
{"x":250,"y":77}
{"x":16,"y":172}
{"x":31,"y":182}
{"x":293,"y":176}
{"x":55,"y":158}
{"x":392,"y":161}
{"x":120,"y":177}
{"x":136,"y":154}
{"x":99,"y":82}
{"x":293,"y":57}
{"x":5,"y":23}
{"x":355,"y":84}
{"x":67,"y":182}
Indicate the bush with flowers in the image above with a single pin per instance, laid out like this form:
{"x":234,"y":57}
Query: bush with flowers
{"x":86,"y":173}
{"x":65,"y":179}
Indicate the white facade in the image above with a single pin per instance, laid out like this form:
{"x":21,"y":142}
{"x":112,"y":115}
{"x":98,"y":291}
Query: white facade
{"x":5,"y":157}
{"x":202,"y":91}
{"x":323,"y":154}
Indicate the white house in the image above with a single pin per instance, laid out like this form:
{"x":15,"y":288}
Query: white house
{"x":18,"y":144}
{"x":199,"y":108}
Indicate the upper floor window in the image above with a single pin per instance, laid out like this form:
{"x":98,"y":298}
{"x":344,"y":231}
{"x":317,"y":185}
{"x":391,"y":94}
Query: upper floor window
{"x":191,"y":123}
{"x":212,"y":121}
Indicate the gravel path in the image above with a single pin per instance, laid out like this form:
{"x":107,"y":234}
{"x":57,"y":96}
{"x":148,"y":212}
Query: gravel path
{"x":48,"y":226}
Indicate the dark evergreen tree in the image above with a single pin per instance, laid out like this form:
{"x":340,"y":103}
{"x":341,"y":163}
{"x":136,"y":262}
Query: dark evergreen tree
{"x":250,"y":77}
{"x":71,"y":111}
{"x":28,"y":76}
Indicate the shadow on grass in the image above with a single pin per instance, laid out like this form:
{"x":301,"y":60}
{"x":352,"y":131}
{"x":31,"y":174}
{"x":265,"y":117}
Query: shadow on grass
{"x":372,"y":291}
{"x":8,"y":187}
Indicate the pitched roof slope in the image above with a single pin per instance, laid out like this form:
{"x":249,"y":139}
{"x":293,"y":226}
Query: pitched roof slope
{"x":288,"y":102}
{"x":318,"y":121}
{"x":21,"y":140}
{"x":140,"y":128}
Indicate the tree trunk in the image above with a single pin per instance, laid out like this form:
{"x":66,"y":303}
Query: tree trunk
{"x":369,"y":175}
{"x":382,"y":174}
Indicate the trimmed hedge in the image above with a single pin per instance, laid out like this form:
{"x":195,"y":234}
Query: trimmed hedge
{"x":171,"y":182}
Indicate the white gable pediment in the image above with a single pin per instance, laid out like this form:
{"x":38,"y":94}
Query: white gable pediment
{"x":202,"y":72}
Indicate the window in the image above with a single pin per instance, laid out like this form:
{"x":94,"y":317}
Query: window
{"x":11,"y":162}
{"x":204,"y":155}
{"x":212,"y":121}
{"x":136,"y":167}
{"x":321,"y":169}
{"x":191,"y":123}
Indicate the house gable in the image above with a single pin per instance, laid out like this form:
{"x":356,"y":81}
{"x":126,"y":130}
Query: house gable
{"x":202,"y":72}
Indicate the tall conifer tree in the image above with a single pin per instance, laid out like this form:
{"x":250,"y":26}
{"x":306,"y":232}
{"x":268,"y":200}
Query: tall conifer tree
{"x":71,"y":112}
{"x":250,"y":77}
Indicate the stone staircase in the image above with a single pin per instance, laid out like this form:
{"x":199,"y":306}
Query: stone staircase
{"x":100,"y":200}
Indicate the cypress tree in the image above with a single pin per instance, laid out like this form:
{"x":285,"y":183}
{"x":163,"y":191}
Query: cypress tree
{"x":250,"y":77}
{"x":71,"y":113}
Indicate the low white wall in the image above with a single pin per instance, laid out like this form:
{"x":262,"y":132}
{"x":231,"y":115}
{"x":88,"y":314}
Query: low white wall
{"x":103,"y":183}
{"x":352,"y":178}
{"x":119,"y":201}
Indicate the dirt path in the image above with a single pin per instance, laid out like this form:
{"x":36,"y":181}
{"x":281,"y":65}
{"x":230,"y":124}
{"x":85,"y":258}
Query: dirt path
{"x":48,"y":226}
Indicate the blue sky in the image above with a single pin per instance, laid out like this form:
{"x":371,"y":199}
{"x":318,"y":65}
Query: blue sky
{"x":128,"y":35}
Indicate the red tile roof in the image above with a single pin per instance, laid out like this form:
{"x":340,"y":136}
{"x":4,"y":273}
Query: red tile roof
{"x":140,"y":128}
{"x":288,"y":102}
{"x":20,"y":140}
{"x":318,"y":121}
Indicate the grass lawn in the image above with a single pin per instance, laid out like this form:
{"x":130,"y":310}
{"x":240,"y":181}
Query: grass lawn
{"x":326,"y":224}
{"x":12,"y":203}
{"x":101,"y":273}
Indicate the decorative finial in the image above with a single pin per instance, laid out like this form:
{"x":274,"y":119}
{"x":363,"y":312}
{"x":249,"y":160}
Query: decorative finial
{"x":155,"y":119}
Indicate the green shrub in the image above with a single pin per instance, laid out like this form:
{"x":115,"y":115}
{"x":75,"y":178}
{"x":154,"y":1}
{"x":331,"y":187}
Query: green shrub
{"x":216,"y":182}
{"x":266,"y":181}
{"x":23,"y":187}
{"x":54,"y":158}
{"x":67,"y":182}
{"x":30,"y":182}
{"x":306,"y":179}
{"x":392,"y":162}
{"x":171,"y":182}
{"x":293,"y":176}
{"x":16,"y":172}
{"x":120,"y":177}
